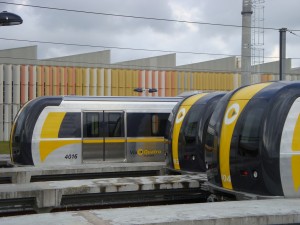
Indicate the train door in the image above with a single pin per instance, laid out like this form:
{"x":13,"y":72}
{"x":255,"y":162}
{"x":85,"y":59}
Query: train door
{"x":103,"y":136}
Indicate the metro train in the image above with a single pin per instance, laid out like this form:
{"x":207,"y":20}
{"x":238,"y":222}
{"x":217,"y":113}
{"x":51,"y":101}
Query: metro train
{"x":189,"y":120}
{"x":70,"y":130}
{"x":252,"y":147}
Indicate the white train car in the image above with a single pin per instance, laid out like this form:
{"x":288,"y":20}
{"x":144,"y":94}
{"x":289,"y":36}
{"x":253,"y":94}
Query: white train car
{"x":74,"y":130}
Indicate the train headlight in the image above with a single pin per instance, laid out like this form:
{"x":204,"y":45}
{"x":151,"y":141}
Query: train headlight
{"x":255,"y":174}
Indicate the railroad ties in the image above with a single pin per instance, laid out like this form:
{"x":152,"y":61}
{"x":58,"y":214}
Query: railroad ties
{"x":103,"y":184}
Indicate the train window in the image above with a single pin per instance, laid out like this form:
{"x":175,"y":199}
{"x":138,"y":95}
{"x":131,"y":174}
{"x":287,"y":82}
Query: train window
{"x":70,"y":126}
{"x":161,"y":122}
{"x":92,"y":128}
{"x":190,"y":131}
{"x":249,"y":135}
{"x":138,"y":124}
{"x":115,"y":125}
{"x":146,"y":124}
{"x":210,"y":139}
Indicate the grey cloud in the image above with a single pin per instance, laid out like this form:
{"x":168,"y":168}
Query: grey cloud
{"x":70,"y":27}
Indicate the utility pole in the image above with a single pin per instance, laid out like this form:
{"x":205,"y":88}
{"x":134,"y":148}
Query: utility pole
{"x":246,"y":42}
{"x":282,"y":53}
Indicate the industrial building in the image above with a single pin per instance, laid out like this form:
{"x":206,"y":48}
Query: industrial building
{"x":24,"y":77}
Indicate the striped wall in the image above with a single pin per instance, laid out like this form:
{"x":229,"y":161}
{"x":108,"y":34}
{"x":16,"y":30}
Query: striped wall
{"x":20,"y":83}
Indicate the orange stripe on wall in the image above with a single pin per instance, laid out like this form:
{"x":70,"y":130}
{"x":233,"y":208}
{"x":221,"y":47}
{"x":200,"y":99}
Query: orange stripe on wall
{"x":51,"y":81}
{"x":168,"y":83}
{"x":47,"y":80}
{"x":147,"y":85}
{"x":42,"y":81}
{"x":22,"y":83}
{"x":65,"y":76}
{"x":159,"y":83}
{"x":173,"y":83}
{"x":30,"y":82}
{"x":73,"y":82}
{"x":57,"y":80}
{"x":264,"y":78}
{"x":140,"y":81}
{"x":153,"y":79}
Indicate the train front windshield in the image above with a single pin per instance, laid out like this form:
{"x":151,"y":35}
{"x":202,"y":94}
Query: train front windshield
{"x":18,"y":131}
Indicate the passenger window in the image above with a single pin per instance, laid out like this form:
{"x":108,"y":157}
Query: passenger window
{"x":249,"y":135}
{"x":138,"y":124}
{"x":159,"y":124}
{"x":115,"y":125}
{"x":70,"y":126}
{"x":92,"y":128}
{"x":146,"y":124}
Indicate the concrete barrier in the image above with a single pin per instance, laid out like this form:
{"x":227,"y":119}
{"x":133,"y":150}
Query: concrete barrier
{"x":49,"y":195}
{"x":275,"y":211}
{"x":20,"y":175}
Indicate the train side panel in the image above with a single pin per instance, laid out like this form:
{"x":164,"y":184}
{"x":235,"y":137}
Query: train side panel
{"x":290,"y":152}
{"x":109,"y":130}
{"x":52,"y":147}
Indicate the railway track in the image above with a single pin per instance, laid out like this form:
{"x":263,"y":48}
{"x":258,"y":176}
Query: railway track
{"x":47,"y":196}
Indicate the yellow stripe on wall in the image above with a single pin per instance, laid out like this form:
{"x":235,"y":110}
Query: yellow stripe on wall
{"x":78,"y":77}
{"x":122,"y":82}
{"x":183,"y":110}
{"x":235,"y":106}
{"x":92,"y":83}
{"x":114,"y":82}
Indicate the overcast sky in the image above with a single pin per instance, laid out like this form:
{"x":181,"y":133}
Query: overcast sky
{"x":90,"y":29}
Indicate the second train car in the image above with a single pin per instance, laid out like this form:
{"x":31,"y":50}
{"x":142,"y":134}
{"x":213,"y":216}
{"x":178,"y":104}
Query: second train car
{"x":188,"y":125}
{"x":71,"y":130}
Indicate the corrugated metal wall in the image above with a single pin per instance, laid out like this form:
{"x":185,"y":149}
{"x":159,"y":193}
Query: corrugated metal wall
{"x":20,"y":83}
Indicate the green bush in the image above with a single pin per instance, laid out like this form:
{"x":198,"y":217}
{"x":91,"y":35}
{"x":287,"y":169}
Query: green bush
{"x":4,"y":147}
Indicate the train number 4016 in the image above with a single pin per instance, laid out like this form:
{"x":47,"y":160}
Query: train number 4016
{"x":71,"y":156}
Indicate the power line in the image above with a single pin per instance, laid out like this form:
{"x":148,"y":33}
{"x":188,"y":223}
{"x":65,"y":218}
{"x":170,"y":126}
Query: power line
{"x":290,"y":31}
{"x":124,"y":48}
{"x":136,"y":17}
{"x":43,"y":62}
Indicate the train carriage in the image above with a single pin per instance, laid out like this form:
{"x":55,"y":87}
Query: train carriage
{"x":74,"y":130}
{"x":253,"y":142}
{"x":189,"y":121}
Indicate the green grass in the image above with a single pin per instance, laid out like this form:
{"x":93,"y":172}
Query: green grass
{"x":4,"y":147}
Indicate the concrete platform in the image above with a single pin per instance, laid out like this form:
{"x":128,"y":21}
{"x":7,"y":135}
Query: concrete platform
{"x":49,"y":195}
{"x":4,"y":160}
{"x":25,"y":174}
{"x":276,"y":211}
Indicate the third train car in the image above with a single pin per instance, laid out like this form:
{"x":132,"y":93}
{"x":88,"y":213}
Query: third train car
{"x":189,"y":120}
{"x":253,"y":141}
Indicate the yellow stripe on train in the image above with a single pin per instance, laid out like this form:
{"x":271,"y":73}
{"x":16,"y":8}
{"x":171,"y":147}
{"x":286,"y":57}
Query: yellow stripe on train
{"x":183,"y":110}
{"x":235,"y":106}
{"x":295,"y":161}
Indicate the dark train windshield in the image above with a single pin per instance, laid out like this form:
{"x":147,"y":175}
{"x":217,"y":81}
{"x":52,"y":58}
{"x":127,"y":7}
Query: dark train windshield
{"x":249,"y":134}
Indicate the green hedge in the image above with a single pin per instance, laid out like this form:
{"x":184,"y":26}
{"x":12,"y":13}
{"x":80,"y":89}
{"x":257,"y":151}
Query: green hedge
{"x":4,"y":147}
